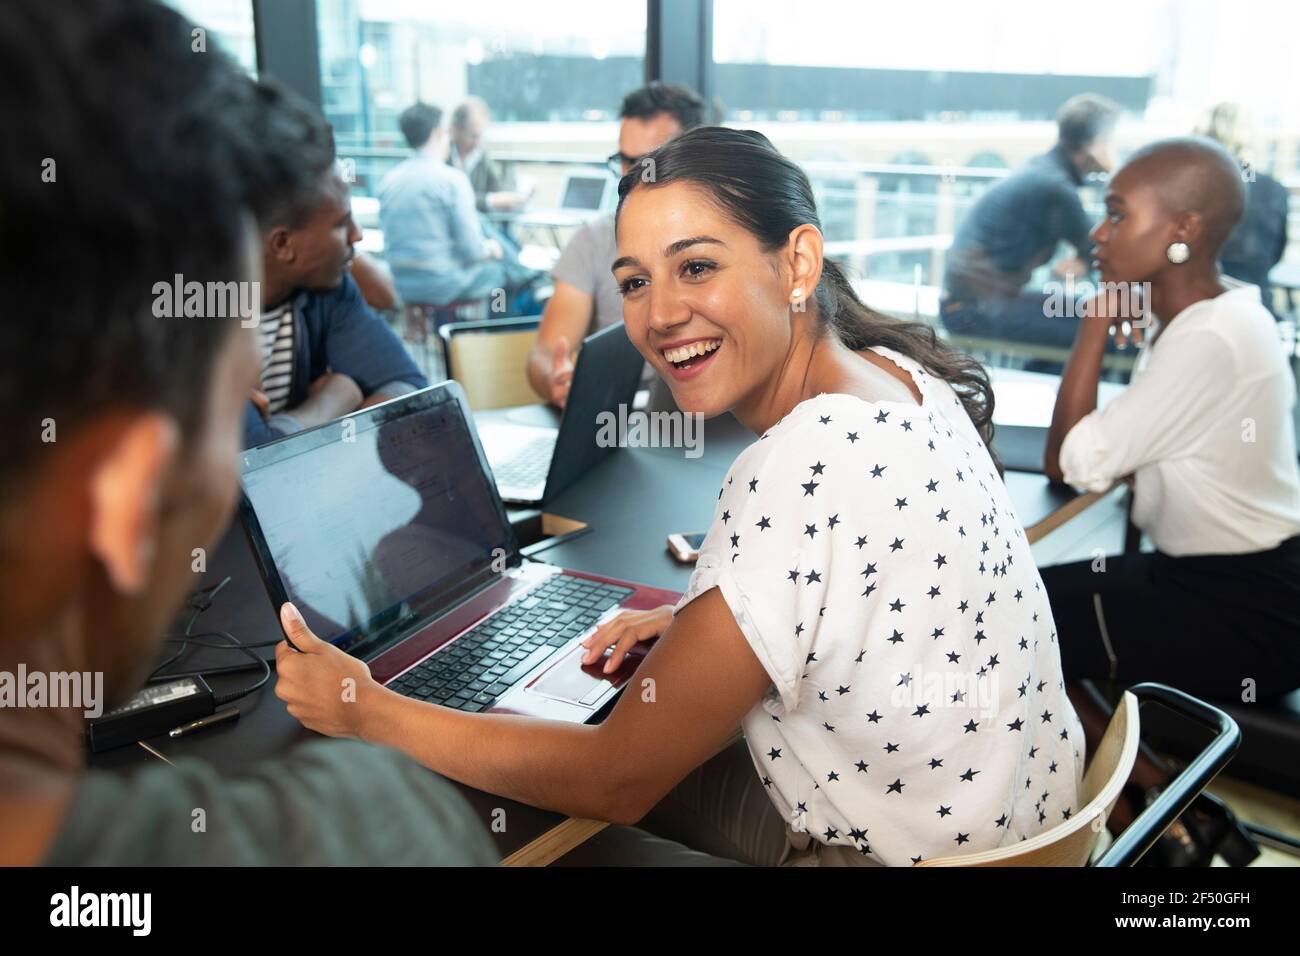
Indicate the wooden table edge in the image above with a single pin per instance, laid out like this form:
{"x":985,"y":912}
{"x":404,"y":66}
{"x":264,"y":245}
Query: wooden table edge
{"x":574,"y":831}
{"x":1071,"y":509}
{"x":555,"y":842}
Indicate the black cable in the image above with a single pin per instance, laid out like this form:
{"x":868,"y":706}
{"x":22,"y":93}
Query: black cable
{"x":200,"y":601}
{"x":210,"y":671}
{"x":233,"y":644}
{"x":175,"y":657}
{"x":196,"y":640}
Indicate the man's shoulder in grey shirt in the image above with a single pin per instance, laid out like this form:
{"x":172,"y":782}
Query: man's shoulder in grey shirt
{"x":585,"y":263}
{"x":325,"y":802}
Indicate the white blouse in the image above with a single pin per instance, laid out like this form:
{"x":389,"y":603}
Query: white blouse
{"x":1205,"y":427}
{"x":873,"y":560}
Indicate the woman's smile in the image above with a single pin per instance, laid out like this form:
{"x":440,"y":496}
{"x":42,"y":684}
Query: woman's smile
{"x":688,"y":359}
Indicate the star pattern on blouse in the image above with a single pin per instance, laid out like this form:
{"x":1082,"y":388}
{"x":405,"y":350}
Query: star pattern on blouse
{"x":835,"y":638}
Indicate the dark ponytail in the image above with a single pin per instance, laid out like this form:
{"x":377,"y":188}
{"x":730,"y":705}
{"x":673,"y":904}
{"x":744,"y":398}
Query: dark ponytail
{"x":860,"y":327}
{"x":769,"y":196}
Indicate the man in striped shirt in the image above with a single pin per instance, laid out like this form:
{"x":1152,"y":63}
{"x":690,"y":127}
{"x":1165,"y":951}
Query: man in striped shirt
{"x":276,"y":341}
{"x":325,"y":353}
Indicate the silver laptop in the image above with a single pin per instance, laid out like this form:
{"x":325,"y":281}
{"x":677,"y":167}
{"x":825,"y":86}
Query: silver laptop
{"x":585,"y":196}
{"x":586,"y":191}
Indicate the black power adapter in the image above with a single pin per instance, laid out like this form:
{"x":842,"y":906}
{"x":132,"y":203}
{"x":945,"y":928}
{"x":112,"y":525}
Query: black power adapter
{"x":153,"y":711}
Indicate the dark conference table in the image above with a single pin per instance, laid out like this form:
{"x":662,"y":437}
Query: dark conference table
{"x":639,"y":496}
{"x":631,"y":502}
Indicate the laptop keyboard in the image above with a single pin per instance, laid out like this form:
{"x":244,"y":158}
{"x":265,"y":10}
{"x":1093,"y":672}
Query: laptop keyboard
{"x":475,"y":669}
{"x":529,"y":466}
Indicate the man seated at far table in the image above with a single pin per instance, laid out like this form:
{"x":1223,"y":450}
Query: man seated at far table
{"x":1018,"y":225}
{"x":435,"y":241}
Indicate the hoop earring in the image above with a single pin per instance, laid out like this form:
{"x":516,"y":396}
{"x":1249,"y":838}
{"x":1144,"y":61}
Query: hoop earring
{"x":1178,"y":253}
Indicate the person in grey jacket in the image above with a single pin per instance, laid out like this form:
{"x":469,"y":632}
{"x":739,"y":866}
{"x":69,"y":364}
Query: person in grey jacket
{"x":124,"y":437}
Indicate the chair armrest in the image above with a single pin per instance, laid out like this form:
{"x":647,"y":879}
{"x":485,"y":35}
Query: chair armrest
{"x":1143,"y":832}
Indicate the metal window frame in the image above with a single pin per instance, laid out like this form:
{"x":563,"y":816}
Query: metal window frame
{"x":679,"y":44}
{"x":288,"y":46}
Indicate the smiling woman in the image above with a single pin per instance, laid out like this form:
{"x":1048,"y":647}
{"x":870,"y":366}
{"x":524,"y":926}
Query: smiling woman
{"x":869,"y":645}
{"x":864,"y":610}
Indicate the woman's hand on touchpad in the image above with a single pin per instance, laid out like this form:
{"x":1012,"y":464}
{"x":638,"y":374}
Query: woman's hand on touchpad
{"x":624,"y":632}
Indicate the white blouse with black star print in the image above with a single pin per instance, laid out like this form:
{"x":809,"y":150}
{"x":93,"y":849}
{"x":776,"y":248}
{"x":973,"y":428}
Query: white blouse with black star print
{"x":873,"y":560}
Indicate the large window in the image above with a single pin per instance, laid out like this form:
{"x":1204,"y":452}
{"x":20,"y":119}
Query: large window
{"x":905,"y":114}
{"x":552,"y":74}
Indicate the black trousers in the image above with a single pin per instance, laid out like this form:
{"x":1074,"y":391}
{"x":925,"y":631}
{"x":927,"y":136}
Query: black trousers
{"x":1216,"y":626}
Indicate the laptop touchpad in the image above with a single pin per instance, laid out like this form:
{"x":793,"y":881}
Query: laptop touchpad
{"x":569,"y":681}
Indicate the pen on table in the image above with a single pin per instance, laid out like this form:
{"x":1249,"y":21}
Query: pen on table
{"x":220,"y":717}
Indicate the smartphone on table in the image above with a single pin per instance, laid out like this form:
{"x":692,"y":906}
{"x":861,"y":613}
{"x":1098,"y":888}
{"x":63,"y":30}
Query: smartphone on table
{"x":685,"y":547}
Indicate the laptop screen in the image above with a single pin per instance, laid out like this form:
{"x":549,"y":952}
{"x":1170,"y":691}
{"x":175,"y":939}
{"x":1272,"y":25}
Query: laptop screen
{"x":376,"y":521}
{"x":584,"y":192}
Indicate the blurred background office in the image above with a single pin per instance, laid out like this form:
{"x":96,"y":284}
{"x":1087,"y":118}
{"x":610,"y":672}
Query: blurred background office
{"x":902,"y":114}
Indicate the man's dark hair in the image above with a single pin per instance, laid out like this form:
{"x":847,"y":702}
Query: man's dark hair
{"x":418,"y":121}
{"x":682,"y":102}
{"x":1084,"y":119}
{"x":123,"y":166}
{"x":297,"y":156}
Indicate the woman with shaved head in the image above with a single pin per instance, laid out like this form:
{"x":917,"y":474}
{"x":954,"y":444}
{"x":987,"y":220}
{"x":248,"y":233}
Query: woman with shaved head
{"x":1203,"y":435}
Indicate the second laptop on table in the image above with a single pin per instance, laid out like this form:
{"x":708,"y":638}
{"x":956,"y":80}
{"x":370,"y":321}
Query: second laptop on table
{"x":532,"y":463}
